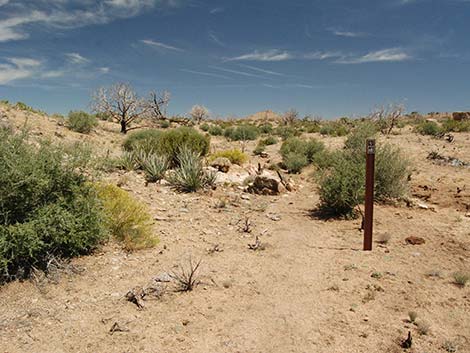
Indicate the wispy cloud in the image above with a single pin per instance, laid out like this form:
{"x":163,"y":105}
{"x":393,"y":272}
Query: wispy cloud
{"x":270,"y":55}
{"x":348,"y":34}
{"x":76,"y":58}
{"x":104,"y":70}
{"x":215,"y":39}
{"x":288,"y":85}
{"x":264,"y":71}
{"x":237,"y":72}
{"x":17,"y":68}
{"x":210,"y":74}
{"x":62,"y":15}
{"x":322,"y":55}
{"x":385,"y":55}
{"x":159,"y":45}
{"x":216,"y":10}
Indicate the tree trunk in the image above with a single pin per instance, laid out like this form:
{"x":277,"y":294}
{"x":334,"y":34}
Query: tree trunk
{"x":123,"y":127}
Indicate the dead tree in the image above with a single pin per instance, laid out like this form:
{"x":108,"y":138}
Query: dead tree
{"x":124,"y":106}
{"x":290,"y":117}
{"x":199,"y":113}
{"x":387,"y":117}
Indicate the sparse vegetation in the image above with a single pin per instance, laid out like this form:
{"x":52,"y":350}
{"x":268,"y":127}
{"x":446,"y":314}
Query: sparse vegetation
{"x":430,"y":128}
{"x":243,"y":133}
{"x":297,"y":153}
{"x":412,"y":316}
{"x":187,"y":278}
{"x":423,"y":328}
{"x":461,"y":278}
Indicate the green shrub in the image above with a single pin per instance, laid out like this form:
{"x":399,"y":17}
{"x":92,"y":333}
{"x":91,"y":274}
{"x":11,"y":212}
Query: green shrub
{"x":259,"y":149}
{"x":205,"y":127}
{"x":244,"y":133}
{"x":357,"y":139}
{"x":451,"y":125}
{"x":265,"y":128}
{"x":216,"y":130}
{"x":285,"y":132}
{"x":235,"y":156}
{"x":270,"y":140}
{"x":168,"y":143}
{"x":307,"y":148}
{"x":147,"y":140}
{"x":47,"y":209}
{"x":127,"y":220}
{"x":82,"y":122}
{"x":430,"y":128}
{"x":190,"y":175}
{"x":165,"y":124}
{"x":294,"y":162}
{"x":342,"y":174}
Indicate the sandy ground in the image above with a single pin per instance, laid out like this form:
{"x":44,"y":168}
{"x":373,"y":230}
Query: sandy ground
{"x":312,"y":289}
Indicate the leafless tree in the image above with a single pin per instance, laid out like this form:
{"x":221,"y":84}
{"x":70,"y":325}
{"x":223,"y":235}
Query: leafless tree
{"x":290,"y":116}
{"x":123,"y":105}
{"x":199,"y":113}
{"x":387,"y":117}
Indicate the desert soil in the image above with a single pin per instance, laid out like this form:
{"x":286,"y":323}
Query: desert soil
{"x":311,"y":288}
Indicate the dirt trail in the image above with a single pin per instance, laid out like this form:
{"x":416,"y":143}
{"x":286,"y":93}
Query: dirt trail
{"x":310,"y":290}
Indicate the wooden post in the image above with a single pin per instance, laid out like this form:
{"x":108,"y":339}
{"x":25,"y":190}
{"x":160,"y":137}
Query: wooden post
{"x":369,"y":197}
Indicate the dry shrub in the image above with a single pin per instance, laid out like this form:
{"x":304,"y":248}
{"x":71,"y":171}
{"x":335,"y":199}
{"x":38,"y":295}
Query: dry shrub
{"x":126,"y":218}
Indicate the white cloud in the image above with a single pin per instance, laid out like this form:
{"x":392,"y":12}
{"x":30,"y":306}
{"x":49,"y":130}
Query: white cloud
{"x":160,"y":45}
{"x":349,"y":34}
{"x":264,"y":71}
{"x":76,"y":58}
{"x":385,"y":55}
{"x":319,"y":55}
{"x":53,"y":74}
{"x":270,"y":55}
{"x":210,"y":74}
{"x":104,"y":70}
{"x":17,"y":68}
{"x":237,"y":72}
{"x":216,"y":39}
{"x":62,"y":15}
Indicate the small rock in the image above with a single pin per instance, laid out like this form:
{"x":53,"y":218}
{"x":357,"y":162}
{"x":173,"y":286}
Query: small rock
{"x":222,"y":164}
{"x":273,"y":217}
{"x":413,"y":240}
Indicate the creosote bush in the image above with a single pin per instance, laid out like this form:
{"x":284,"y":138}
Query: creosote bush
{"x":342,"y":173}
{"x":297,"y":153}
{"x":82,"y":122}
{"x":47,"y":209}
{"x":235,"y":156}
{"x":430,"y":128}
{"x":243,"y":133}
{"x":216,"y":130}
{"x":190,"y":175}
{"x":127,"y":219}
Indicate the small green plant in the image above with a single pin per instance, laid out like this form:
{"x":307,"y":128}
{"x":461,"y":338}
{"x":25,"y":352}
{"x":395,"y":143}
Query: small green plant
{"x":82,"y":122}
{"x":154,"y":167}
{"x":128,"y":161}
{"x":205,"y":127}
{"x":461,"y":278}
{"x":235,"y":156}
{"x":165,"y":124}
{"x":127,"y":220}
{"x":430,"y":128}
{"x":259,"y":149}
{"x":294,"y":162}
{"x":412,"y":316}
{"x":190,"y":175}
{"x":265,"y":128}
{"x":297,"y":153}
{"x":268,"y":141}
{"x":216,"y":130}
{"x":244,"y":133}
{"x":451,"y":125}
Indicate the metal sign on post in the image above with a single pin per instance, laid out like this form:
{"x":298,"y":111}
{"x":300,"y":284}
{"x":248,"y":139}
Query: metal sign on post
{"x":369,"y":197}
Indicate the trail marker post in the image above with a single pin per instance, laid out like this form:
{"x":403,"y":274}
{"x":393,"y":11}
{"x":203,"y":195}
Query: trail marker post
{"x":369,"y":197}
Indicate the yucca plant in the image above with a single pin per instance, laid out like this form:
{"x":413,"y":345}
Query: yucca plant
{"x":128,"y":161}
{"x":190,"y":176}
{"x":155,"y":167}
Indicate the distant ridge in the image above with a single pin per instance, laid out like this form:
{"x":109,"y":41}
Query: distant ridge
{"x":266,"y":115}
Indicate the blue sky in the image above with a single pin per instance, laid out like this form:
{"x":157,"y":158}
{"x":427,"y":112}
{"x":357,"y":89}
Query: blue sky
{"x":324,"y":57}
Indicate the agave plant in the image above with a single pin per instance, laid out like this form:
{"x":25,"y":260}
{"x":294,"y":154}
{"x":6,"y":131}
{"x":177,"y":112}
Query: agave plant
{"x":128,"y":161}
{"x":190,"y":176}
{"x":155,"y":167}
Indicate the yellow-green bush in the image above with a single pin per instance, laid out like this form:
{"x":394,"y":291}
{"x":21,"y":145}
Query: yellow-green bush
{"x":126,"y":218}
{"x":235,"y":156}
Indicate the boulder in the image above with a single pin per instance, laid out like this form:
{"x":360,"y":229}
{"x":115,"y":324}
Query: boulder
{"x":459,"y":116}
{"x":222,"y":164}
{"x":264,"y":185}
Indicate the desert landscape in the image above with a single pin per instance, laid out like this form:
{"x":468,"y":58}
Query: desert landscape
{"x":253,"y":256}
